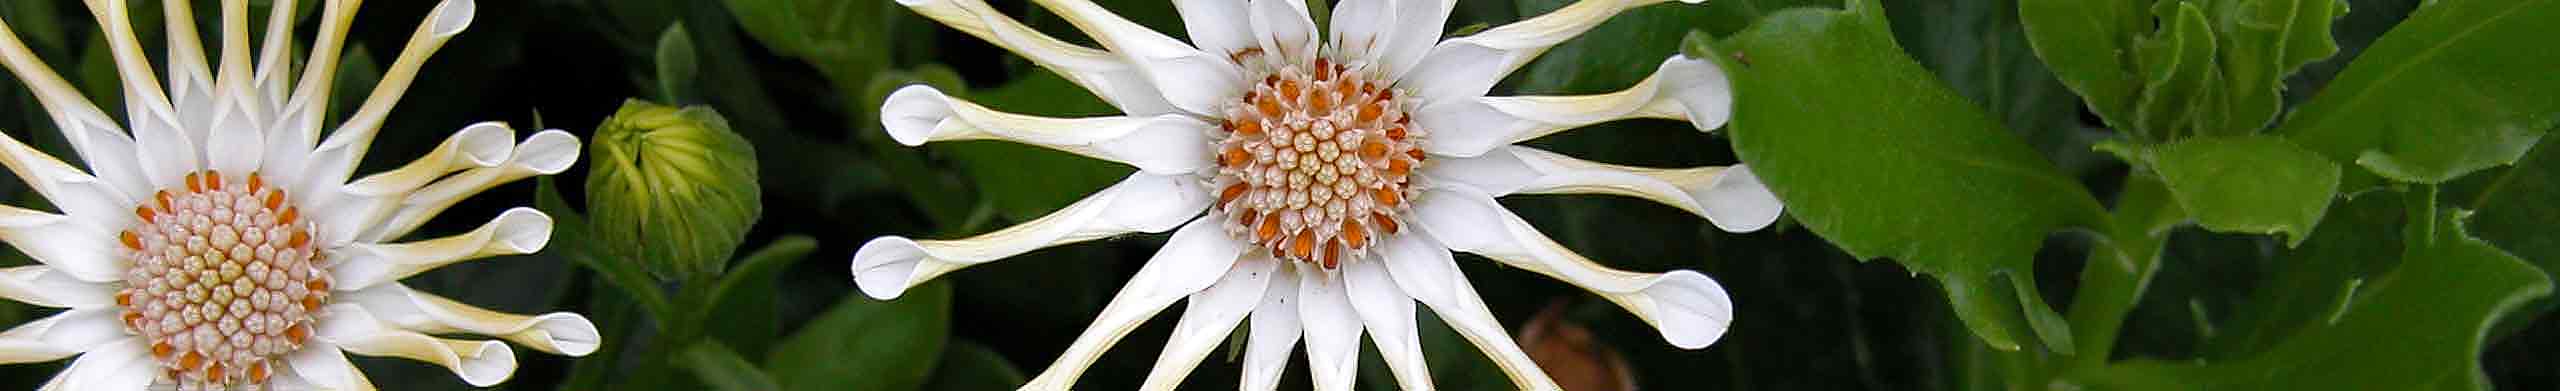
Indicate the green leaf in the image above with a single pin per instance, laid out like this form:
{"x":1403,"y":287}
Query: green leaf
{"x":2244,"y":184}
{"x":2263,"y":41}
{"x":2516,"y":212}
{"x":673,"y":187}
{"x":970,"y":366}
{"x":741,"y":310}
{"x":848,"y":41}
{"x":37,"y":22}
{"x":1888,"y":162}
{"x":2087,"y":43}
{"x":2313,"y":282}
{"x":676,"y":65}
{"x":722,"y":368}
{"x":1629,"y":46}
{"x":2180,"y":80}
{"x":2456,"y":88}
{"x":865,"y":344}
{"x":2420,"y":326}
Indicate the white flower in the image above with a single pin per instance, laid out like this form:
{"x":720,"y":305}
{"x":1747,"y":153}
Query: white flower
{"x":1337,"y":176}
{"x":220,"y":245}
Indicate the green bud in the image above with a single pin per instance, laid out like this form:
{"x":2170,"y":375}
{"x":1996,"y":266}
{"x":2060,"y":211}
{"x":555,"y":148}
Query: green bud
{"x":672,"y":187}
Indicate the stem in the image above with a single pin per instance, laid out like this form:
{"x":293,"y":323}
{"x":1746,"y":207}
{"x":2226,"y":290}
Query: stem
{"x":2121,"y":266}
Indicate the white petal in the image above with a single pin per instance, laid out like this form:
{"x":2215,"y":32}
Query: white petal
{"x":87,"y":198}
{"x":518,"y":231}
{"x":1332,"y":330}
{"x":1388,"y":313}
{"x":104,"y":146}
{"x":238,"y":142}
{"x":1426,"y":271}
{"x":1421,"y":22}
{"x":120,"y":365}
{"x":43,"y":286}
{"x":1466,"y":67}
{"x":1273,"y":335}
{"x":61,"y":335}
{"x":1195,"y":81}
{"x":1107,"y":75}
{"x":1362,"y":29}
{"x":1218,"y":26}
{"x":1689,"y":309}
{"x":556,"y":333}
{"x":1287,"y":32}
{"x":80,"y":250}
{"x":323,"y":364}
{"x":191,"y":84}
{"x":1731,"y":197}
{"x":164,"y":152}
{"x":1165,"y":144}
{"x":545,"y":153}
{"x":336,"y":157}
{"x":275,"y":65}
{"x":887,"y":266}
{"x":1209,"y":317}
{"x":486,"y":144}
{"x":234,"y":67}
{"x":1682,"y":89}
{"x":479,"y":363}
{"x":1198,"y":252}
{"x":298,"y":128}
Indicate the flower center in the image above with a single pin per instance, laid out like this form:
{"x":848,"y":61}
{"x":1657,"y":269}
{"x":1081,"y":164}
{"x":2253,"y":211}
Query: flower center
{"x":224,"y":280}
{"x":1317,"y":163}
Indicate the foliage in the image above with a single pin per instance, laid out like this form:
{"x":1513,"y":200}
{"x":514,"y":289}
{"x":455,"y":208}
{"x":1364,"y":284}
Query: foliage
{"x":1981,"y":194}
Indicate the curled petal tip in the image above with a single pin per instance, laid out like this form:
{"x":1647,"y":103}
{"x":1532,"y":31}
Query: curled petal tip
{"x":1691,"y":310}
{"x":549,"y":152}
{"x":523,"y":230}
{"x":1737,"y":202}
{"x":486,"y":144}
{"x":452,"y":17}
{"x":884,"y":267}
{"x":914,"y":113}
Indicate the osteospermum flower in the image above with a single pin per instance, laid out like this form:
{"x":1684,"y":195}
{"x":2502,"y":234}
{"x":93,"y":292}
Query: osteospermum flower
{"x":216,"y":246}
{"x":1336,"y":176}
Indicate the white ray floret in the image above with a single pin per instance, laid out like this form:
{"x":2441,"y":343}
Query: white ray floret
{"x":1325,"y":180}
{"x":216,"y":242}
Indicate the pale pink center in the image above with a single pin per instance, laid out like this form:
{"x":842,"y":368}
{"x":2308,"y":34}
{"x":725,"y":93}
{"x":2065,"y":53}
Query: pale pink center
{"x":1317,"y":163}
{"x":224,"y":281}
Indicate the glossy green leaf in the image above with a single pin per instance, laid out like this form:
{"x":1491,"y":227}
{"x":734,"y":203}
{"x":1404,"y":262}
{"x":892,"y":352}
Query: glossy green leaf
{"x":673,"y":188}
{"x":2088,"y":44}
{"x":1981,"y":49}
{"x":741,"y":310}
{"x":723,"y":369}
{"x":1888,"y":162}
{"x":2420,"y":326}
{"x":970,"y":366}
{"x":2264,"y":41}
{"x":2181,"y":85}
{"x":2311,"y":283}
{"x":677,"y":65}
{"x":2517,"y":211}
{"x":2244,"y":184}
{"x":2458,"y":87}
{"x":848,"y":41}
{"x":865,"y":344}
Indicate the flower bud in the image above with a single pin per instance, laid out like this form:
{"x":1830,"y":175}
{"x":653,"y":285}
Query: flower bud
{"x":672,"y":188}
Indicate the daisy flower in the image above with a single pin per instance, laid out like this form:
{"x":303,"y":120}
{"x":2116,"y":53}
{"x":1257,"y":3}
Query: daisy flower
{"x":1336,"y":175}
{"x":215,"y":240}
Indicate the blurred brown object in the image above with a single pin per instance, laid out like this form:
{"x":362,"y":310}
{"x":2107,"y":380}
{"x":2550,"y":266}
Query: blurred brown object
{"x":1570,"y":355}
